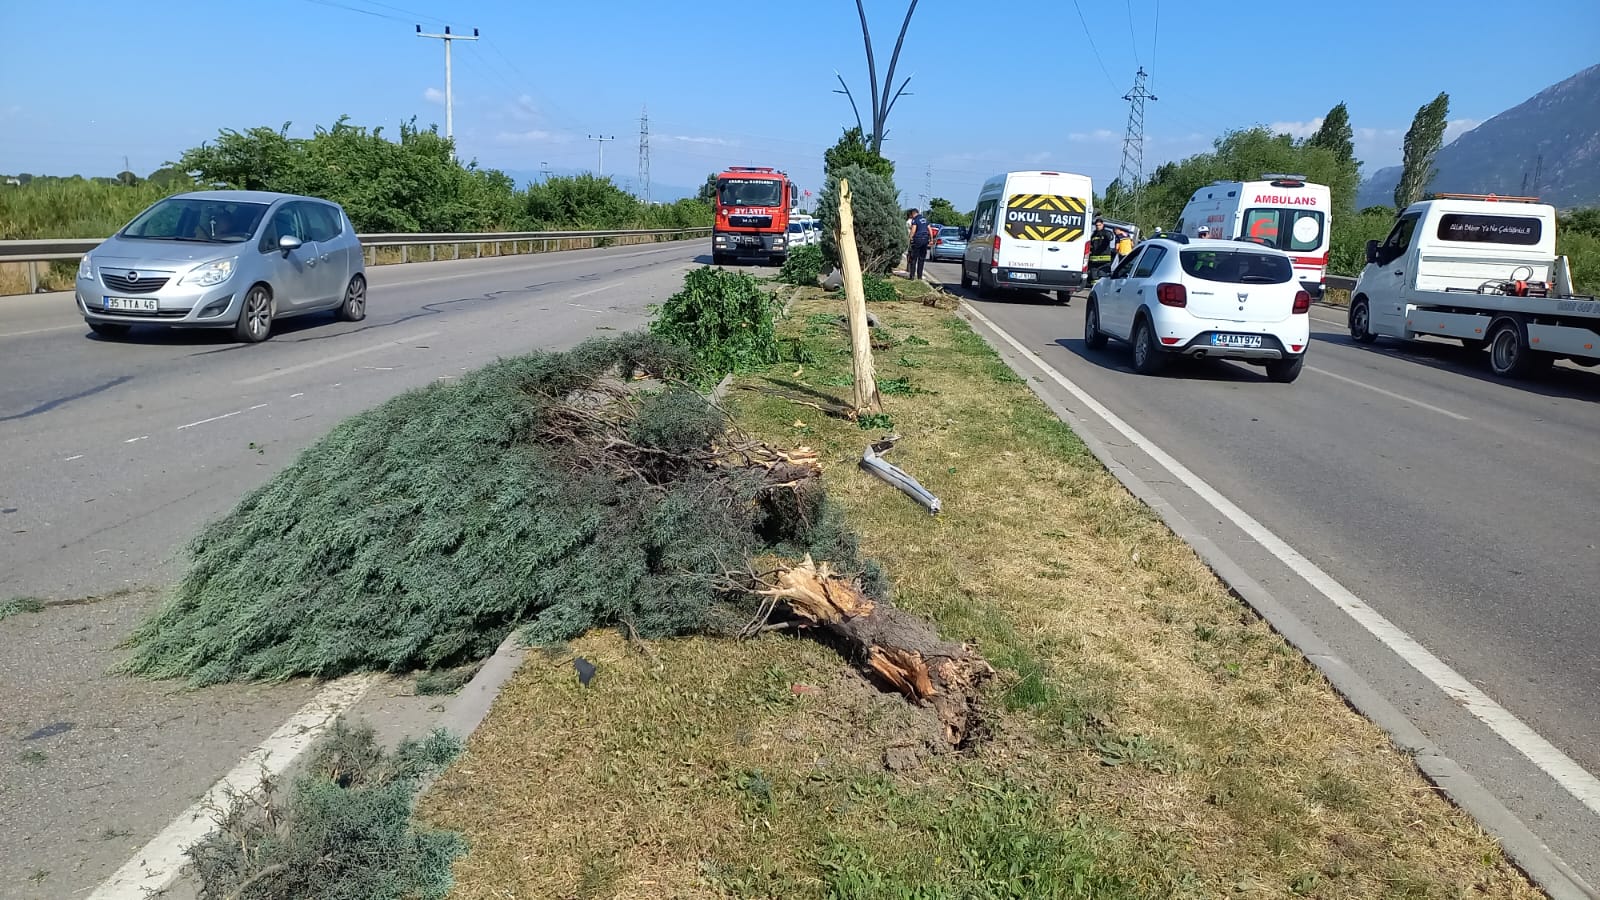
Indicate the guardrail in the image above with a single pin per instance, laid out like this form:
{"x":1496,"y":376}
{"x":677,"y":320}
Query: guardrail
{"x":34,"y":252}
{"x":1339,"y":282}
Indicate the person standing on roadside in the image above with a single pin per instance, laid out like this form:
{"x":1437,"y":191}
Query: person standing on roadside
{"x":921,"y":235}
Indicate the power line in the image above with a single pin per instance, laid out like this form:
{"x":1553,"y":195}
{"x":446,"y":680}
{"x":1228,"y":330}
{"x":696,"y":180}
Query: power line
{"x":1109,"y":80}
{"x":356,"y":9}
{"x":1133,"y":38}
{"x":1155,"y":39}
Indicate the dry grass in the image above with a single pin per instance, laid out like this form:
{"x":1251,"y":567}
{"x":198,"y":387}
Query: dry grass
{"x":1336,"y":297}
{"x":1152,"y":738}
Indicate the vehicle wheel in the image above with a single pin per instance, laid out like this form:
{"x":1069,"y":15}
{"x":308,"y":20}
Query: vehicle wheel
{"x":1284,"y":371}
{"x":1093,"y":337}
{"x":354,"y":308}
{"x":986,"y":289}
{"x":1475,"y":344}
{"x":255,"y":316}
{"x":779,"y":260}
{"x":966,"y":280}
{"x":1148,"y":357}
{"x":108,"y":329}
{"x":1064,"y":297}
{"x":1361,"y":322}
{"x":1509,"y":353}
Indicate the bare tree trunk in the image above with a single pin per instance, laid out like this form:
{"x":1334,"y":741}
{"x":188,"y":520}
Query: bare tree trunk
{"x":855,"y":299}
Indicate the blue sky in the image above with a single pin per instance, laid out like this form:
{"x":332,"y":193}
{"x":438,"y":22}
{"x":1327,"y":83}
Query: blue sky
{"x":1005,"y":85}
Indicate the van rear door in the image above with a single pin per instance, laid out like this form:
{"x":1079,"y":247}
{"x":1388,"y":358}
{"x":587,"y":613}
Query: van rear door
{"x":1045,"y":223}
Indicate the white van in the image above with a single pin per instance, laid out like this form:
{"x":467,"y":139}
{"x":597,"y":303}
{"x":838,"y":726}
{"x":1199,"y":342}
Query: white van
{"x":1030,"y":232}
{"x":1282,"y":211}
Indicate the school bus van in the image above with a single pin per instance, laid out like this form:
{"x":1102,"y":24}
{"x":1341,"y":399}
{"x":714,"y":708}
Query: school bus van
{"x":1030,"y":231}
{"x":1282,"y":211}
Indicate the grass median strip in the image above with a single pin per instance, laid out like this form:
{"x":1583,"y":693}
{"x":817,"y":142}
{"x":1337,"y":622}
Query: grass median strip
{"x":1147,"y":735}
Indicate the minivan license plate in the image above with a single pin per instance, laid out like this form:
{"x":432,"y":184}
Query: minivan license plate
{"x":1236,"y":340}
{"x":132,"y":304}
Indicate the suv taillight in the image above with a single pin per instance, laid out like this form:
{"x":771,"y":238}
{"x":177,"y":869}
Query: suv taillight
{"x":1302,"y":302}
{"x":1172,"y":295}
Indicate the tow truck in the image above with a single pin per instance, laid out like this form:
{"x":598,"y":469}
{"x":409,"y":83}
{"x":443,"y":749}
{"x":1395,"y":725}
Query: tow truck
{"x":1481,"y":269}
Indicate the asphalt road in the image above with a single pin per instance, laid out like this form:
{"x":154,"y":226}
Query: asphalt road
{"x":114,"y":453}
{"x":1460,"y":506}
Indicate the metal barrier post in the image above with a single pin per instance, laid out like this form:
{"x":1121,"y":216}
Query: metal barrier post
{"x":432,"y":252}
{"x":33,"y":277}
{"x":405,"y":253}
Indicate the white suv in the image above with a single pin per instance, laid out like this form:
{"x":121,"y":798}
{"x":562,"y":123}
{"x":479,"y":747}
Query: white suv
{"x":1203,"y":298}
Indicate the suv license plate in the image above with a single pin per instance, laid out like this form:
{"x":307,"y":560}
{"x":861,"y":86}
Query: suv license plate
{"x":131,"y":304}
{"x":1022,"y":276}
{"x":1236,"y":340}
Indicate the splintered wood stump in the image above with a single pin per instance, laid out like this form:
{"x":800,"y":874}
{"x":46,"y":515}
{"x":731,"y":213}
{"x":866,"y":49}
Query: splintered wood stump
{"x":902,"y":650}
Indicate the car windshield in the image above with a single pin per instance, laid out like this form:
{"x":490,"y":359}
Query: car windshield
{"x":795,"y":227}
{"x":197,"y":219}
{"x":750,"y":192}
{"x":1237,"y":266}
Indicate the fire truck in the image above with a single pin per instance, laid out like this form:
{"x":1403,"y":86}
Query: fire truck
{"x":752,"y":208}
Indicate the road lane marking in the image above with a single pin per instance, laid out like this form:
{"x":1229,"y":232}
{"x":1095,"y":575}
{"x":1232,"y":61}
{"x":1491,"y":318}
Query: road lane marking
{"x":605,"y":287}
{"x":156,"y":865}
{"x":1560,"y":767}
{"x":144,"y":437}
{"x":12,"y":334}
{"x":1391,"y":394}
{"x":237,"y":412}
{"x":71,"y":458}
{"x":337,"y":357}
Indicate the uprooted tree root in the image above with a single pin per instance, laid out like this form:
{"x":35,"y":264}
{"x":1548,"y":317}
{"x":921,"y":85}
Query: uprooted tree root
{"x":900,"y":649}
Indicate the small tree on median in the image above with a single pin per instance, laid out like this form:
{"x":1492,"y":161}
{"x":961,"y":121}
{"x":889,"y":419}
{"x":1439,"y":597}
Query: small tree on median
{"x":880,"y":229}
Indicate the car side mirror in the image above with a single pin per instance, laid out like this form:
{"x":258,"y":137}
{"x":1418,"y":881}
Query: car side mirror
{"x":1372,"y":251}
{"x":289,"y":243}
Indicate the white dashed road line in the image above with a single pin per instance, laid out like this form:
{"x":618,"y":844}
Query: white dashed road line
{"x":1561,"y":768}
{"x":338,"y":357}
{"x":1391,"y":394}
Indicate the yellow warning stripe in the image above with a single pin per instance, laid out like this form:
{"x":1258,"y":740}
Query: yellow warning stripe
{"x":1050,"y":202}
{"x":1046,"y":233}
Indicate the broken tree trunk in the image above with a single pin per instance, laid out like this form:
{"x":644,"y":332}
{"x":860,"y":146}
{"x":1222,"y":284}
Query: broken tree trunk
{"x":902,"y":650}
{"x":855,"y":301}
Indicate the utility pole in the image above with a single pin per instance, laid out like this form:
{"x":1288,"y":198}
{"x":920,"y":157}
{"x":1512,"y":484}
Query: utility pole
{"x":1132,"y":175}
{"x":1538,"y":174}
{"x":449,"y":99}
{"x":644,"y":155}
{"x":927,"y":186}
{"x":600,"y":140}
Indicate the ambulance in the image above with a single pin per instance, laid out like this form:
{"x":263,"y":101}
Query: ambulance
{"x":1282,"y":211}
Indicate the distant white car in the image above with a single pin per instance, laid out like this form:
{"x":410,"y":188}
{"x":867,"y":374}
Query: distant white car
{"x":1203,"y":299}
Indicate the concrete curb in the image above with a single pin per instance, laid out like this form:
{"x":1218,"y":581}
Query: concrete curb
{"x":1521,"y":845}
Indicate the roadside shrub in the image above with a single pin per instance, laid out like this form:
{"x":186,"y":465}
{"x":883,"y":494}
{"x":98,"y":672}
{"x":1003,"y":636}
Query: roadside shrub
{"x":1583,"y":252}
{"x":1347,"y":248}
{"x":878,"y":290}
{"x":880,"y":227}
{"x":803,"y":266}
{"x":343,"y":833}
{"x":724,"y":318}
{"x":539,"y":492}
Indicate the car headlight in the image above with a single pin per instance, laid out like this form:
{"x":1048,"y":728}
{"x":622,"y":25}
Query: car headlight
{"x":85,"y":268}
{"x":210,"y":273}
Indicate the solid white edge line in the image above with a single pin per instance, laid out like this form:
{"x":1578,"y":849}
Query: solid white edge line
{"x":1563,"y":769}
{"x":338,"y":357}
{"x":603,"y":287}
{"x":1391,"y":394}
{"x":159,"y":862}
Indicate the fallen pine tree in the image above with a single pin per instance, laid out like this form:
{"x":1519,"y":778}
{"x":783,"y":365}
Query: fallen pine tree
{"x":549,"y":492}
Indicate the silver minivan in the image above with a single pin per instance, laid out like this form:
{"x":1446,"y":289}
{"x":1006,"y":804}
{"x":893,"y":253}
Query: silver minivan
{"x":225,"y":259}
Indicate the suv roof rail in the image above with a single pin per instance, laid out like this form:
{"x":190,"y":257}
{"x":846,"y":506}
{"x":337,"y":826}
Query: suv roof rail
{"x":1492,"y":198}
